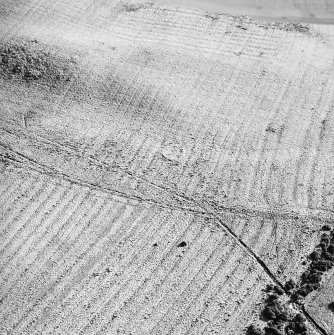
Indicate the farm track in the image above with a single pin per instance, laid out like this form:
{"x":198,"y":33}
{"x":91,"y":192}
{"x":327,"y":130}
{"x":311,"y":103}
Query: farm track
{"x":164,"y":125}
{"x":43,"y":211}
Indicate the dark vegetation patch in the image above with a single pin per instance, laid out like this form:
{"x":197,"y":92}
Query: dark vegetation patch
{"x":29,"y":62}
{"x":254,"y":330}
{"x":321,"y":259}
{"x":270,"y":129}
{"x":289,"y":285}
{"x":243,"y":20}
{"x":290,"y":27}
{"x":133,"y":7}
{"x":331,"y":306}
{"x":240,"y":26}
{"x":326,"y":228}
{"x":279,"y":317}
{"x":212,"y":16}
{"x":285,"y":26}
{"x":301,"y":28}
{"x":182,"y":244}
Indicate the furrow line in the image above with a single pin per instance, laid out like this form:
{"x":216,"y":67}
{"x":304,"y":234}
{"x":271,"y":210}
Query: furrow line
{"x":171,"y":240}
{"x":44,"y":297}
{"x":36,"y":267}
{"x":181,"y":264}
{"x":23,"y":214}
{"x":17,"y":253}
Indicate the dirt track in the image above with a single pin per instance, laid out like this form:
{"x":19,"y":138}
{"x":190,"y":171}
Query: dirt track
{"x":129,"y":128}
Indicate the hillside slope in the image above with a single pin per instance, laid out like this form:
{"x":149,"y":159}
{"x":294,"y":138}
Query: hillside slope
{"x":160,"y":166}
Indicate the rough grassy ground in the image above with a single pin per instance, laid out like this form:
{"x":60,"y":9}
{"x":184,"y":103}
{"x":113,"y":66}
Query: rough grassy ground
{"x":319,"y":12}
{"x":319,"y":306}
{"x":129,"y":128}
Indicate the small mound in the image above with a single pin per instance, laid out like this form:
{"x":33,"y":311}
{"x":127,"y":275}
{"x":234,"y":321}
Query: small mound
{"x":28,"y":61}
